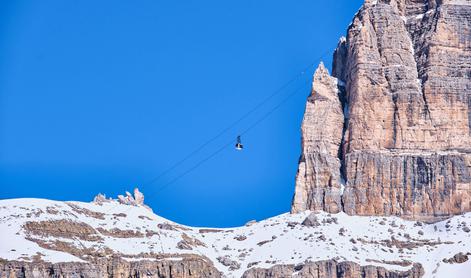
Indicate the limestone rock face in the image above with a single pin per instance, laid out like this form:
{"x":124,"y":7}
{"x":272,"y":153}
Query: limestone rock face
{"x":194,"y":267}
{"x":415,"y":186}
{"x":332,"y":269}
{"x":405,"y":147}
{"x":319,"y":182}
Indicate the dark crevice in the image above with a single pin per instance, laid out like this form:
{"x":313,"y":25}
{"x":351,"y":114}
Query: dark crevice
{"x":344,"y":102}
{"x":342,"y":95}
{"x":395,"y":119}
{"x":339,"y":71}
{"x":421,"y":49}
{"x":324,"y":207}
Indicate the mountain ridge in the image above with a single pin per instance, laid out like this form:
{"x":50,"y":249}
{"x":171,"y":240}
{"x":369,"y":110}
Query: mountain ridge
{"x":43,"y":238}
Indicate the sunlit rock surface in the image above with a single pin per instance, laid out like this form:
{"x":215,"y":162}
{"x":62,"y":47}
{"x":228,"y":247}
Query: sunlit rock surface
{"x":406,"y":141}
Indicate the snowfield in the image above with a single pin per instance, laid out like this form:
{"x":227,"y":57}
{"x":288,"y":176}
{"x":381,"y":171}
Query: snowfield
{"x":134,"y":231}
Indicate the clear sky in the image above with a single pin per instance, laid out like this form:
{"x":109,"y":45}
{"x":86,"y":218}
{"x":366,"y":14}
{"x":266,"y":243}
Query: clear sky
{"x":102,"y":96}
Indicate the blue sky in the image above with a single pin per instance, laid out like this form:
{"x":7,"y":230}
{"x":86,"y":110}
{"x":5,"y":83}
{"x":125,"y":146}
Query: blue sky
{"x":102,"y":96}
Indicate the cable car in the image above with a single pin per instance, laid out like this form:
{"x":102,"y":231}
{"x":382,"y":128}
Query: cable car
{"x":239,"y":145}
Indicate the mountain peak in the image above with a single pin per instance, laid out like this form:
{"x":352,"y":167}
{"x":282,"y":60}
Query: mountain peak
{"x":397,"y":141}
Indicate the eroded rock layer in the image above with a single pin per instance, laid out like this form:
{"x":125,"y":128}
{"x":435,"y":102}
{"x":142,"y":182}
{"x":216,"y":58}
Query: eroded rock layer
{"x":406,"y":138}
{"x":332,"y":269}
{"x":110,"y":268}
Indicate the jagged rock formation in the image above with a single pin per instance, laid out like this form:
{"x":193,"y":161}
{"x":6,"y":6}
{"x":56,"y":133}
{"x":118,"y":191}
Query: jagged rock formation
{"x":188,"y":267}
{"x":318,"y":183}
{"x":332,"y":269}
{"x":132,"y":200}
{"x":129,"y":199}
{"x":405,"y":146}
{"x":100,"y":199}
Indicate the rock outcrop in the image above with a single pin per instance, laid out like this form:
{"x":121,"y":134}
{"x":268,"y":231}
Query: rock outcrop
{"x":332,"y":269}
{"x":188,"y":267}
{"x":458,"y":258}
{"x":129,"y":199}
{"x":196,"y":267}
{"x":319,"y":183}
{"x":405,"y":127}
{"x":136,"y":199}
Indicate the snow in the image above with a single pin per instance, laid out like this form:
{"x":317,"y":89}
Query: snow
{"x":340,"y":82}
{"x":346,"y":111}
{"x":267,"y":242}
{"x":342,"y":186}
{"x":453,"y":270}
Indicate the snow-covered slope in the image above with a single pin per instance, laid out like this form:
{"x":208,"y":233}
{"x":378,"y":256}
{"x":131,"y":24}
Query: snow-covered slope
{"x":37,"y":228}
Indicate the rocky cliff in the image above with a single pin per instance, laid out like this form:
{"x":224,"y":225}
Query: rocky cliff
{"x":332,"y":269}
{"x":319,"y":182}
{"x":194,"y":267}
{"x":389,"y":133}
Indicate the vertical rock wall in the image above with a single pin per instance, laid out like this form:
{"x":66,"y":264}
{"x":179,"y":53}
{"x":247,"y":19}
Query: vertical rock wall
{"x":319,"y":182}
{"x":332,"y":269}
{"x":116,"y":267}
{"x":406,"y":147}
